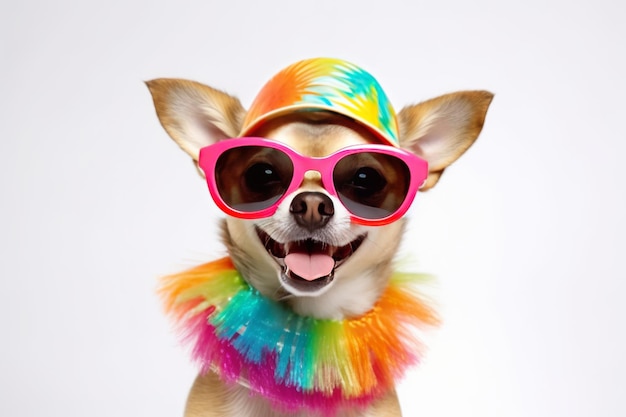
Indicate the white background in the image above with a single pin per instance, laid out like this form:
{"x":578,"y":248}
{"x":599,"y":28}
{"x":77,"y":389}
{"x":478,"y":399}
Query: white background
{"x":525,"y":232}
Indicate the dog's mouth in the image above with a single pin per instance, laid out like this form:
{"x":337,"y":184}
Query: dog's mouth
{"x":308,"y":265}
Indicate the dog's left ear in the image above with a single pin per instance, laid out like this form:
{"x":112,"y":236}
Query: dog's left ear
{"x":195,"y":115}
{"x":441,"y":129}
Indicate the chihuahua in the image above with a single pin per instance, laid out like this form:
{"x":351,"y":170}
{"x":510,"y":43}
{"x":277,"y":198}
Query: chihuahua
{"x":314,"y":179}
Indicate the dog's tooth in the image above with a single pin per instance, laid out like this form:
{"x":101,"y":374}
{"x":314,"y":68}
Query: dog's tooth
{"x":274,"y":247}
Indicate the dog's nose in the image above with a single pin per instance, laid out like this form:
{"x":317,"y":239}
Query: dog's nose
{"x":312,"y":210}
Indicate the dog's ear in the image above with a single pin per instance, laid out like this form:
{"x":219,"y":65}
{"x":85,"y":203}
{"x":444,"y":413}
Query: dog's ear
{"x":195,"y":115}
{"x":441,"y":129}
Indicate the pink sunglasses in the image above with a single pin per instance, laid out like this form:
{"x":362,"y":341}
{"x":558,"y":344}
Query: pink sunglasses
{"x":249,"y":177}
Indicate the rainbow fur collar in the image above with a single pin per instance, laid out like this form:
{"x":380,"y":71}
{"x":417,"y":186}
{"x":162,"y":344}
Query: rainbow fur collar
{"x":296,"y":362}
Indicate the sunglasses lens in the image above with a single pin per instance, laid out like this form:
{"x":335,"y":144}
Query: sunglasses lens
{"x":371,"y":185}
{"x":252,"y":178}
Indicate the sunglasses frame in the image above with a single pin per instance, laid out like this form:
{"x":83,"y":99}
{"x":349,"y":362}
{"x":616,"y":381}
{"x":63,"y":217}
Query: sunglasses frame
{"x":209,"y":156}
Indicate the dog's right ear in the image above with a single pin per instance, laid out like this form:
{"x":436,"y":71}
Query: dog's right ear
{"x":441,"y":129}
{"x":195,"y":115}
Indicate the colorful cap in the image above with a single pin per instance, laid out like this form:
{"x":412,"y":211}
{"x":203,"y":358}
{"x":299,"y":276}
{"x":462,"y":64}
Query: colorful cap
{"x":326,"y":84}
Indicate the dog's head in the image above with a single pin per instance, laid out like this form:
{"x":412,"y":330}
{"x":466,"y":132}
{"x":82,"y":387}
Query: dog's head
{"x":314,"y":214}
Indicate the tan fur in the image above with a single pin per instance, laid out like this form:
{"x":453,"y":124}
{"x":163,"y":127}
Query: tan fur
{"x":439,"y":130}
{"x":210,"y":397}
{"x":193,"y":113}
{"x":443,"y":128}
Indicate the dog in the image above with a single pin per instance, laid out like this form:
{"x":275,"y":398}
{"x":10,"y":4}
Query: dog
{"x":314,"y":184}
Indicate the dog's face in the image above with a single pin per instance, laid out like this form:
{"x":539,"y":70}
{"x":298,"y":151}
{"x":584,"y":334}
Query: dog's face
{"x":309,"y":253}
{"x":321,"y":258}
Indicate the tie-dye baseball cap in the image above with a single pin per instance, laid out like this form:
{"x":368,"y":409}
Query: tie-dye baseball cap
{"x":326,"y":84}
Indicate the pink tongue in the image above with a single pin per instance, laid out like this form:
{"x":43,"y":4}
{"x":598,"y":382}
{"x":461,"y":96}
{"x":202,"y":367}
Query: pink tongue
{"x":310,"y":267}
